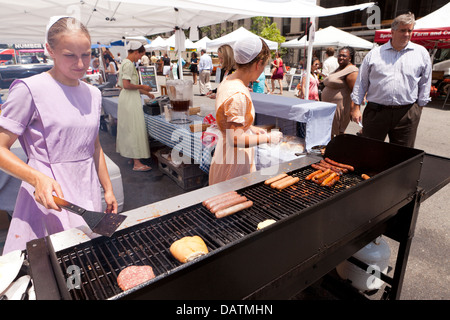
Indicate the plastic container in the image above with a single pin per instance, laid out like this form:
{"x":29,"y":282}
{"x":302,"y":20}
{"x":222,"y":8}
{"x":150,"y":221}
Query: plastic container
{"x":376,"y":254}
{"x":181,"y":97}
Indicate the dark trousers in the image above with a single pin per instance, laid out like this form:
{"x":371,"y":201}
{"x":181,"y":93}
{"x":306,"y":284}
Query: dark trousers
{"x":398,"y":123}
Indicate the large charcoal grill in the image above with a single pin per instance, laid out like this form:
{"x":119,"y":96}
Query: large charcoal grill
{"x":316,"y":229}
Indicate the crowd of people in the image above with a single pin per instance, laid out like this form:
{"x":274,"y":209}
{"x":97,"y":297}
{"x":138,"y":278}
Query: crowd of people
{"x":59,"y":132}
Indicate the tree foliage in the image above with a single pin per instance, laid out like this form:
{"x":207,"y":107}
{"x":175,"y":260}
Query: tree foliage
{"x":264,"y":27}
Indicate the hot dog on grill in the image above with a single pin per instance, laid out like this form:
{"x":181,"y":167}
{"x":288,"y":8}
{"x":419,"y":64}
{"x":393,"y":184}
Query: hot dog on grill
{"x":333,"y":168}
{"x":318,"y":167}
{"x":231,"y":210}
{"x":311,"y":175}
{"x":222,"y":199}
{"x":333,"y":181}
{"x":328,"y":179}
{"x":276,"y":183}
{"x":365,"y":176}
{"x":276,"y":178}
{"x":227,"y":204}
{"x":321,"y":175}
{"x":341,"y":165}
{"x":217,"y":197}
{"x":288,"y":183}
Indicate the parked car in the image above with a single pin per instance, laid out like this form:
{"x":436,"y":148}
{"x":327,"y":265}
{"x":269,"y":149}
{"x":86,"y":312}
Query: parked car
{"x":9,"y":73}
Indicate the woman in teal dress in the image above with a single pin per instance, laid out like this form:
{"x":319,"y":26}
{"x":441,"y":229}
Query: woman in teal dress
{"x":132,"y":137}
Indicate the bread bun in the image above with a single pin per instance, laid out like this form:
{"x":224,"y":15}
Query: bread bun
{"x":188,"y":248}
{"x":265,"y":223}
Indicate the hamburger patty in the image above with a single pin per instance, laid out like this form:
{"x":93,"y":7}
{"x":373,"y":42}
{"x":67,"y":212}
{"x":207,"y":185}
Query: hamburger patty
{"x":133,"y":276}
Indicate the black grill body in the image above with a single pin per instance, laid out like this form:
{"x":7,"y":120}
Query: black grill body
{"x":316,"y":229}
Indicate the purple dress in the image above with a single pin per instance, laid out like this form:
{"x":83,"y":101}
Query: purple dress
{"x":57,"y":127}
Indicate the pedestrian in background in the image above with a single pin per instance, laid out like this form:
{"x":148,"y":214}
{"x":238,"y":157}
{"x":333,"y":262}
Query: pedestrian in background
{"x":397,"y":79}
{"x":227,"y":65}
{"x":338,"y":88}
{"x":132,"y":137}
{"x":330,"y":64}
{"x":277,"y":72}
{"x":194,"y":66}
{"x":205,"y":67}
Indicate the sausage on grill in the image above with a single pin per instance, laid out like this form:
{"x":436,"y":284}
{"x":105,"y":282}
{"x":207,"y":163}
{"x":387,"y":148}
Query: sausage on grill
{"x":277,"y":183}
{"x":226,"y":198}
{"x":236,"y":208}
{"x":318,"y":167}
{"x":341,"y":165}
{"x":328,"y":179}
{"x":288,"y":183}
{"x":333,"y":168}
{"x":207,"y":201}
{"x":276,"y":178}
{"x":227,"y":204}
{"x":311,"y":175}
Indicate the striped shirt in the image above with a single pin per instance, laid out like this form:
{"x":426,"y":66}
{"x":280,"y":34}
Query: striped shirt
{"x":391,"y":77}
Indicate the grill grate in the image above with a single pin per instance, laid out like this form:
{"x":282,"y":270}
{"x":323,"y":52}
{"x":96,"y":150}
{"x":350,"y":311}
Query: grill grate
{"x":101,"y":260}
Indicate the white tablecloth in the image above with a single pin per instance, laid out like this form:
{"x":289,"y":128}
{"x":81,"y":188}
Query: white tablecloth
{"x":110,"y":104}
{"x":317,"y":115}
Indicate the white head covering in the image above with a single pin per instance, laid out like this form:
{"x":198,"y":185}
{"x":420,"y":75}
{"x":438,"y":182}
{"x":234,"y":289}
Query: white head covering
{"x":50,"y":23}
{"x":134,"y":45}
{"x":246,"y":49}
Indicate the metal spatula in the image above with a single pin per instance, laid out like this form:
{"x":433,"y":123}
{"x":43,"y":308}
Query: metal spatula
{"x":99,"y":222}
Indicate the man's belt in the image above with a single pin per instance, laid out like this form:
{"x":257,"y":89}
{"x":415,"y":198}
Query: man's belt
{"x":378,"y":106}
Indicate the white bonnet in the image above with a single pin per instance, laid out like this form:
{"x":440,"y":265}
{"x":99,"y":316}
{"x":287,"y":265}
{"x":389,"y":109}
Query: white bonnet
{"x":50,"y":23}
{"x":246,"y":49}
{"x":134,"y":45}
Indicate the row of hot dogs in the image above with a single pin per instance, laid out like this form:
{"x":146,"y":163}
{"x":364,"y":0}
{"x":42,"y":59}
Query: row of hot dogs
{"x":328,"y":172}
{"x":227,"y":203}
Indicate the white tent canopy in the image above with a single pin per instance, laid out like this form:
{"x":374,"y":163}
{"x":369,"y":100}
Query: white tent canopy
{"x":232,"y":37}
{"x":142,"y":39}
{"x":330,"y":37}
{"x":109,"y":20}
{"x":201,"y":44}
{"x":436,"y":19}
{"x":188,"y":44}
{"x":158,"y":44}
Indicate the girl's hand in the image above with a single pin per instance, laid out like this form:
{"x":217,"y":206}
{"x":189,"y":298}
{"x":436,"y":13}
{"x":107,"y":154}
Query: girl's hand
{"x":111,"y":202}
{"x":275,"y":137}
{"x":43,"y":194}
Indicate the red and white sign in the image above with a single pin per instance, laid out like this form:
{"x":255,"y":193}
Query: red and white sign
{"x":425,"y":37}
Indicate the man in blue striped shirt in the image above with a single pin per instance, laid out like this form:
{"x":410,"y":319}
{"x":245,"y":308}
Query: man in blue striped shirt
{"x":395,"y":79}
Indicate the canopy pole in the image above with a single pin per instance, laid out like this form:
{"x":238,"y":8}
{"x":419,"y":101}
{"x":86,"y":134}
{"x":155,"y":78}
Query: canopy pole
{"x":311,"y":32}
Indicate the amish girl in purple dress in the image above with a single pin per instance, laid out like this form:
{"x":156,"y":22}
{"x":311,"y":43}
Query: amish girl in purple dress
{"x":56,"y":118}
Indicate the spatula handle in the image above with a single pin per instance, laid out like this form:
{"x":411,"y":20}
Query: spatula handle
{"x":67,"y":205}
